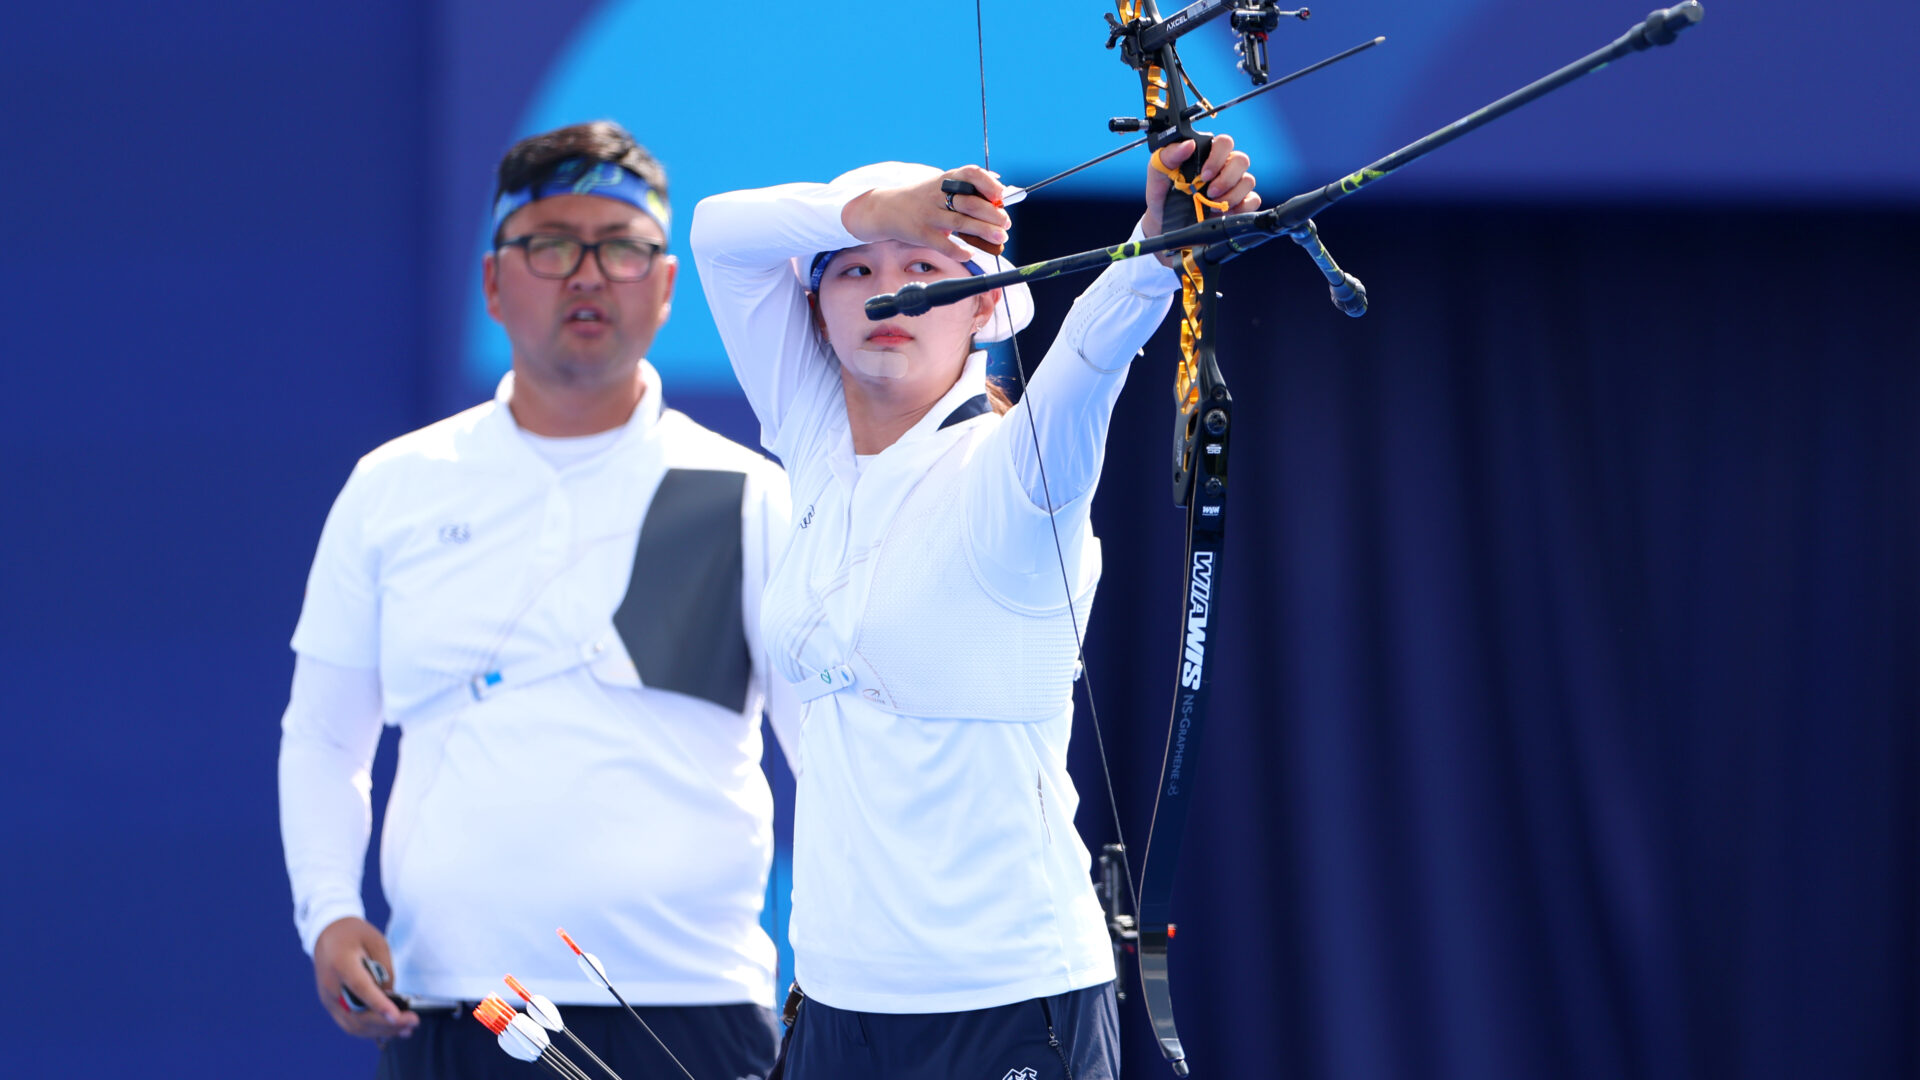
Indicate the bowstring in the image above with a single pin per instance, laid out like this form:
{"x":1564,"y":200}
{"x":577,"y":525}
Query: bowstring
{"x":980,"y":40}
{"x":1046,"y":492}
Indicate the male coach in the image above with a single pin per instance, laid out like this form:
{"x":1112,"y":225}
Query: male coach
{"x":555,"y":596}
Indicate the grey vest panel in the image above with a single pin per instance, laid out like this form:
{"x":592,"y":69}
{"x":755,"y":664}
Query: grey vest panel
{"x":680,"y":619}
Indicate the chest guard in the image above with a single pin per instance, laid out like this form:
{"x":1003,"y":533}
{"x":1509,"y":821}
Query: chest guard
{"x":932,"y":639}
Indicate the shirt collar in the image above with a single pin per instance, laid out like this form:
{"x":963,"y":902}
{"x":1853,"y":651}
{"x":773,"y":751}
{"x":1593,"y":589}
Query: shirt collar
{"x":645,"y":415}
{"x":972,"y":383}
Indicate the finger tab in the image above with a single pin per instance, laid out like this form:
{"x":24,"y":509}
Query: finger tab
{"x":987,"y":246}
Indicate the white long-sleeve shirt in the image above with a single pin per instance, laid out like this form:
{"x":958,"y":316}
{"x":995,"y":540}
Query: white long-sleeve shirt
{"x":636,"y":817}
{"x":936,"y":863}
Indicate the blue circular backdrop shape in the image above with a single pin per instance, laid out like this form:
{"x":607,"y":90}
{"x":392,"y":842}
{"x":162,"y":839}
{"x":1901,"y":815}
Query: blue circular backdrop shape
{"x":728,"y":107}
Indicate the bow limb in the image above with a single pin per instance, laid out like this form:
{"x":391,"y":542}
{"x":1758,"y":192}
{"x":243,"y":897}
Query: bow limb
{"x":1200,"y":465}
{"x":1203,"y":421}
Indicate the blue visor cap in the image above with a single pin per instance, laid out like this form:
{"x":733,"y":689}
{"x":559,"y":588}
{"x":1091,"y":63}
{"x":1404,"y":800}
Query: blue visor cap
{"x":587,"y":176}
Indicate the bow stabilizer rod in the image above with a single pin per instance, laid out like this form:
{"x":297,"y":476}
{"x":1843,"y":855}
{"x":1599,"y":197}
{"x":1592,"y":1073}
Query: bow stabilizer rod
{"x":1661,"y":27}
{"x":1233,"y":234}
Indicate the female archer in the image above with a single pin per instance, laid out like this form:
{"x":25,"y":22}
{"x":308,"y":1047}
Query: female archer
{"x":927,"y":611}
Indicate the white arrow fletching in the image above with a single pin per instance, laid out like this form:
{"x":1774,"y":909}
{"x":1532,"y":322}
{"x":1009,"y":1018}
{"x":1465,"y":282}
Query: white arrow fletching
{"x":590,"y":964}
{"x":545,"y":1013}
{"x":524,"y":1039}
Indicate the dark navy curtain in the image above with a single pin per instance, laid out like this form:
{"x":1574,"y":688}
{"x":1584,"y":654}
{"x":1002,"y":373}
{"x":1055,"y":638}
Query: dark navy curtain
{"x":1565,"y":702}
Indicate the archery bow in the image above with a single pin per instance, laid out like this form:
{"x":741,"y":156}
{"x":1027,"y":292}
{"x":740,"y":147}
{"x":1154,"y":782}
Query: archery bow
{"x":1204,"y":407}
{"x":1203,"y":421}
{"x":1204,"y":414}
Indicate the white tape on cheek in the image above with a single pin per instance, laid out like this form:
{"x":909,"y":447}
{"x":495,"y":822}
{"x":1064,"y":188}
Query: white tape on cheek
{"x":879,"y":365}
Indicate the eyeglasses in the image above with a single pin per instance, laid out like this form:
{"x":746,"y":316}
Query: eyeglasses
{"x":559,"y":257}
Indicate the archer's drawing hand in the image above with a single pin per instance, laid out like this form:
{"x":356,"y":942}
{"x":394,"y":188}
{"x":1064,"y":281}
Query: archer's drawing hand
{"x":917,"y":213}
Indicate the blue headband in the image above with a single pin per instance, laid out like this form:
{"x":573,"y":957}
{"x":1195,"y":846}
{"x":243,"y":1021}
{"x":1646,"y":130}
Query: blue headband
{"x":820,"y":261}
{"x":585,"y":176}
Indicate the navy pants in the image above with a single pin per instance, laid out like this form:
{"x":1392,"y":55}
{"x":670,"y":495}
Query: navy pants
{"x":714,"y":1042}
{"x":1071,"y":1036}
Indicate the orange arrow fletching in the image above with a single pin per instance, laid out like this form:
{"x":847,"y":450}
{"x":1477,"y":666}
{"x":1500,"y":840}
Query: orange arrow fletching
{"x":493,"y":1013}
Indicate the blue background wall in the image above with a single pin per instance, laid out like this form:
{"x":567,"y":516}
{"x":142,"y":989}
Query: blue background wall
{"x":1593,"y":604}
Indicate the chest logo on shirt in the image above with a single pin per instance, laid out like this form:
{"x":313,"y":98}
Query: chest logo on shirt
{"x":808,"y":519}
{"x":1021,"y":1074}
{"x":456,"y":534}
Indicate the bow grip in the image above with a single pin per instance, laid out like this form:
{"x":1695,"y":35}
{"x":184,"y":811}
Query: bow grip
{"x":1177,"y":212}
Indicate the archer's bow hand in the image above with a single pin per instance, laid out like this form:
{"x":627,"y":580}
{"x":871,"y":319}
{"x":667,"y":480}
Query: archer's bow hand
{"x":1223,"y":179}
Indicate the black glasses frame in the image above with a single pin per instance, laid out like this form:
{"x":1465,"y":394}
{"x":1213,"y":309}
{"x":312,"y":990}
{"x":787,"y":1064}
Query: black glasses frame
{"x":582,"y":248}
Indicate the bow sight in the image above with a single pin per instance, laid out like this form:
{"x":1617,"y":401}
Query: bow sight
{"x":1253,"y":20}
